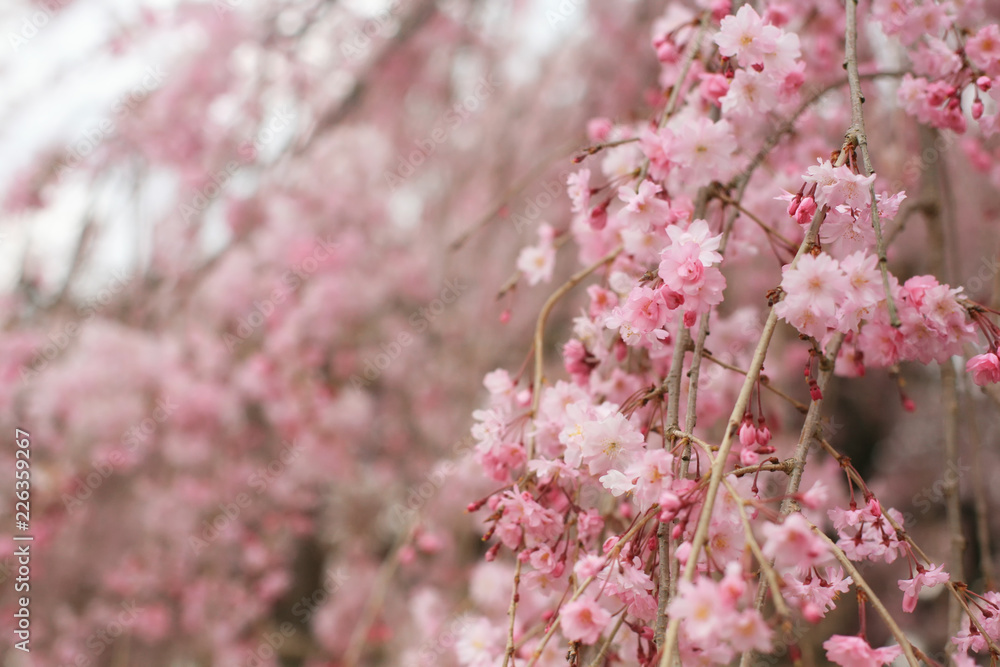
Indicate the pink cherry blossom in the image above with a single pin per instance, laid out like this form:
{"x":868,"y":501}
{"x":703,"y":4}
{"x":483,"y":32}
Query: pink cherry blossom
{"x":985,"y":368}
{"x":911,"y":587}
{"x":792,"y":543}
{"x":538,"y":262}
{"x":584,"y":620}
{"x":748,"y":631}
{"x":702,"y":608}
{"x":608,"y":442}
{"x":856,"y":652}
{"x":578,"y":188}
{"x":643,"y":209}
{"x":983,"y":48}
{"x":704,"y":149}
{"x":746,"y":37}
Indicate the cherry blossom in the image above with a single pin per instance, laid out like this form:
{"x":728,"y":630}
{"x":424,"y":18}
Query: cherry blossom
{"x":929,"y":577}
{"x":584,"y":621}
{"x":856,"y":652}
{"x":985,"y":368}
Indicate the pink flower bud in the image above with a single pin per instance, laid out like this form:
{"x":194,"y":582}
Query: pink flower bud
{"x":666,"y":51}
{"x":977,"y":110}
{"x":749,"y":457}
{"x":720,"y":9}
{"x":811,"y":613}
{"x":683,"y":551}
{"x":429,"y":543}
{"x":713,"y":88}
{"x":669,"y":505}
{"x":599,"y":217}
{"x":793,"y":205}
{"x":806,"y":210}
{"x":598,"y":129}
{"x":748,"y":434}
{"x":984,"y":83}
{"x":874,"y":507}
{"x":407,"y":555}
{"x":763,"y":435}
{"x":985,"y":368}
{"x":673,"y":299}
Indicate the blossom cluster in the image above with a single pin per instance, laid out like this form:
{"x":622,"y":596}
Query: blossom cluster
{"x":605,"y":497}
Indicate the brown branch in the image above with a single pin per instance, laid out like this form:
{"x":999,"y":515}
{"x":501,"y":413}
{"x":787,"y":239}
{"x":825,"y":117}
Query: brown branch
{"x":860,"y":582}
{"x":857,"y":134}
{"x":518,"y":186}
{"x":574,"y":280}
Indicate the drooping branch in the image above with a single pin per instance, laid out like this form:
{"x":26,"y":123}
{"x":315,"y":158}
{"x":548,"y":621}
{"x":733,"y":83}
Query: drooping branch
{"x":860,"y":582}
{"x":756,"y":364}
{"x":543,"y":316}
{"x":858,"y":135}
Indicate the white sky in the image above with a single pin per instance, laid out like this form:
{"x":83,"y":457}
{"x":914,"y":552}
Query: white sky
{"x":61,"y":82}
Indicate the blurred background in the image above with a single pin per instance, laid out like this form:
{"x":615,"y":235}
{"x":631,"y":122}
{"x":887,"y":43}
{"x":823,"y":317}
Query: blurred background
{"x":236,"y":321}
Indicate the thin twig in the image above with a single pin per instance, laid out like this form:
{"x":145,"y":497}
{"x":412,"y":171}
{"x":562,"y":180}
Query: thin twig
{"x":757,"y":363}
{"x":857,"y":133}
{"x":508,"y":654}
{"x":800,"y":406}
{"x":596,"y":662}
{"x":518,"y":186}
{"x":956,"y":590}
{"x":931,"y":187}
{"x":766,"y":568}
{"x":574,"y":280}
{"x":860,"y":582}
{"x":356,"y":646}
{"x":808,"y":433}
{"x":653,"y":512}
